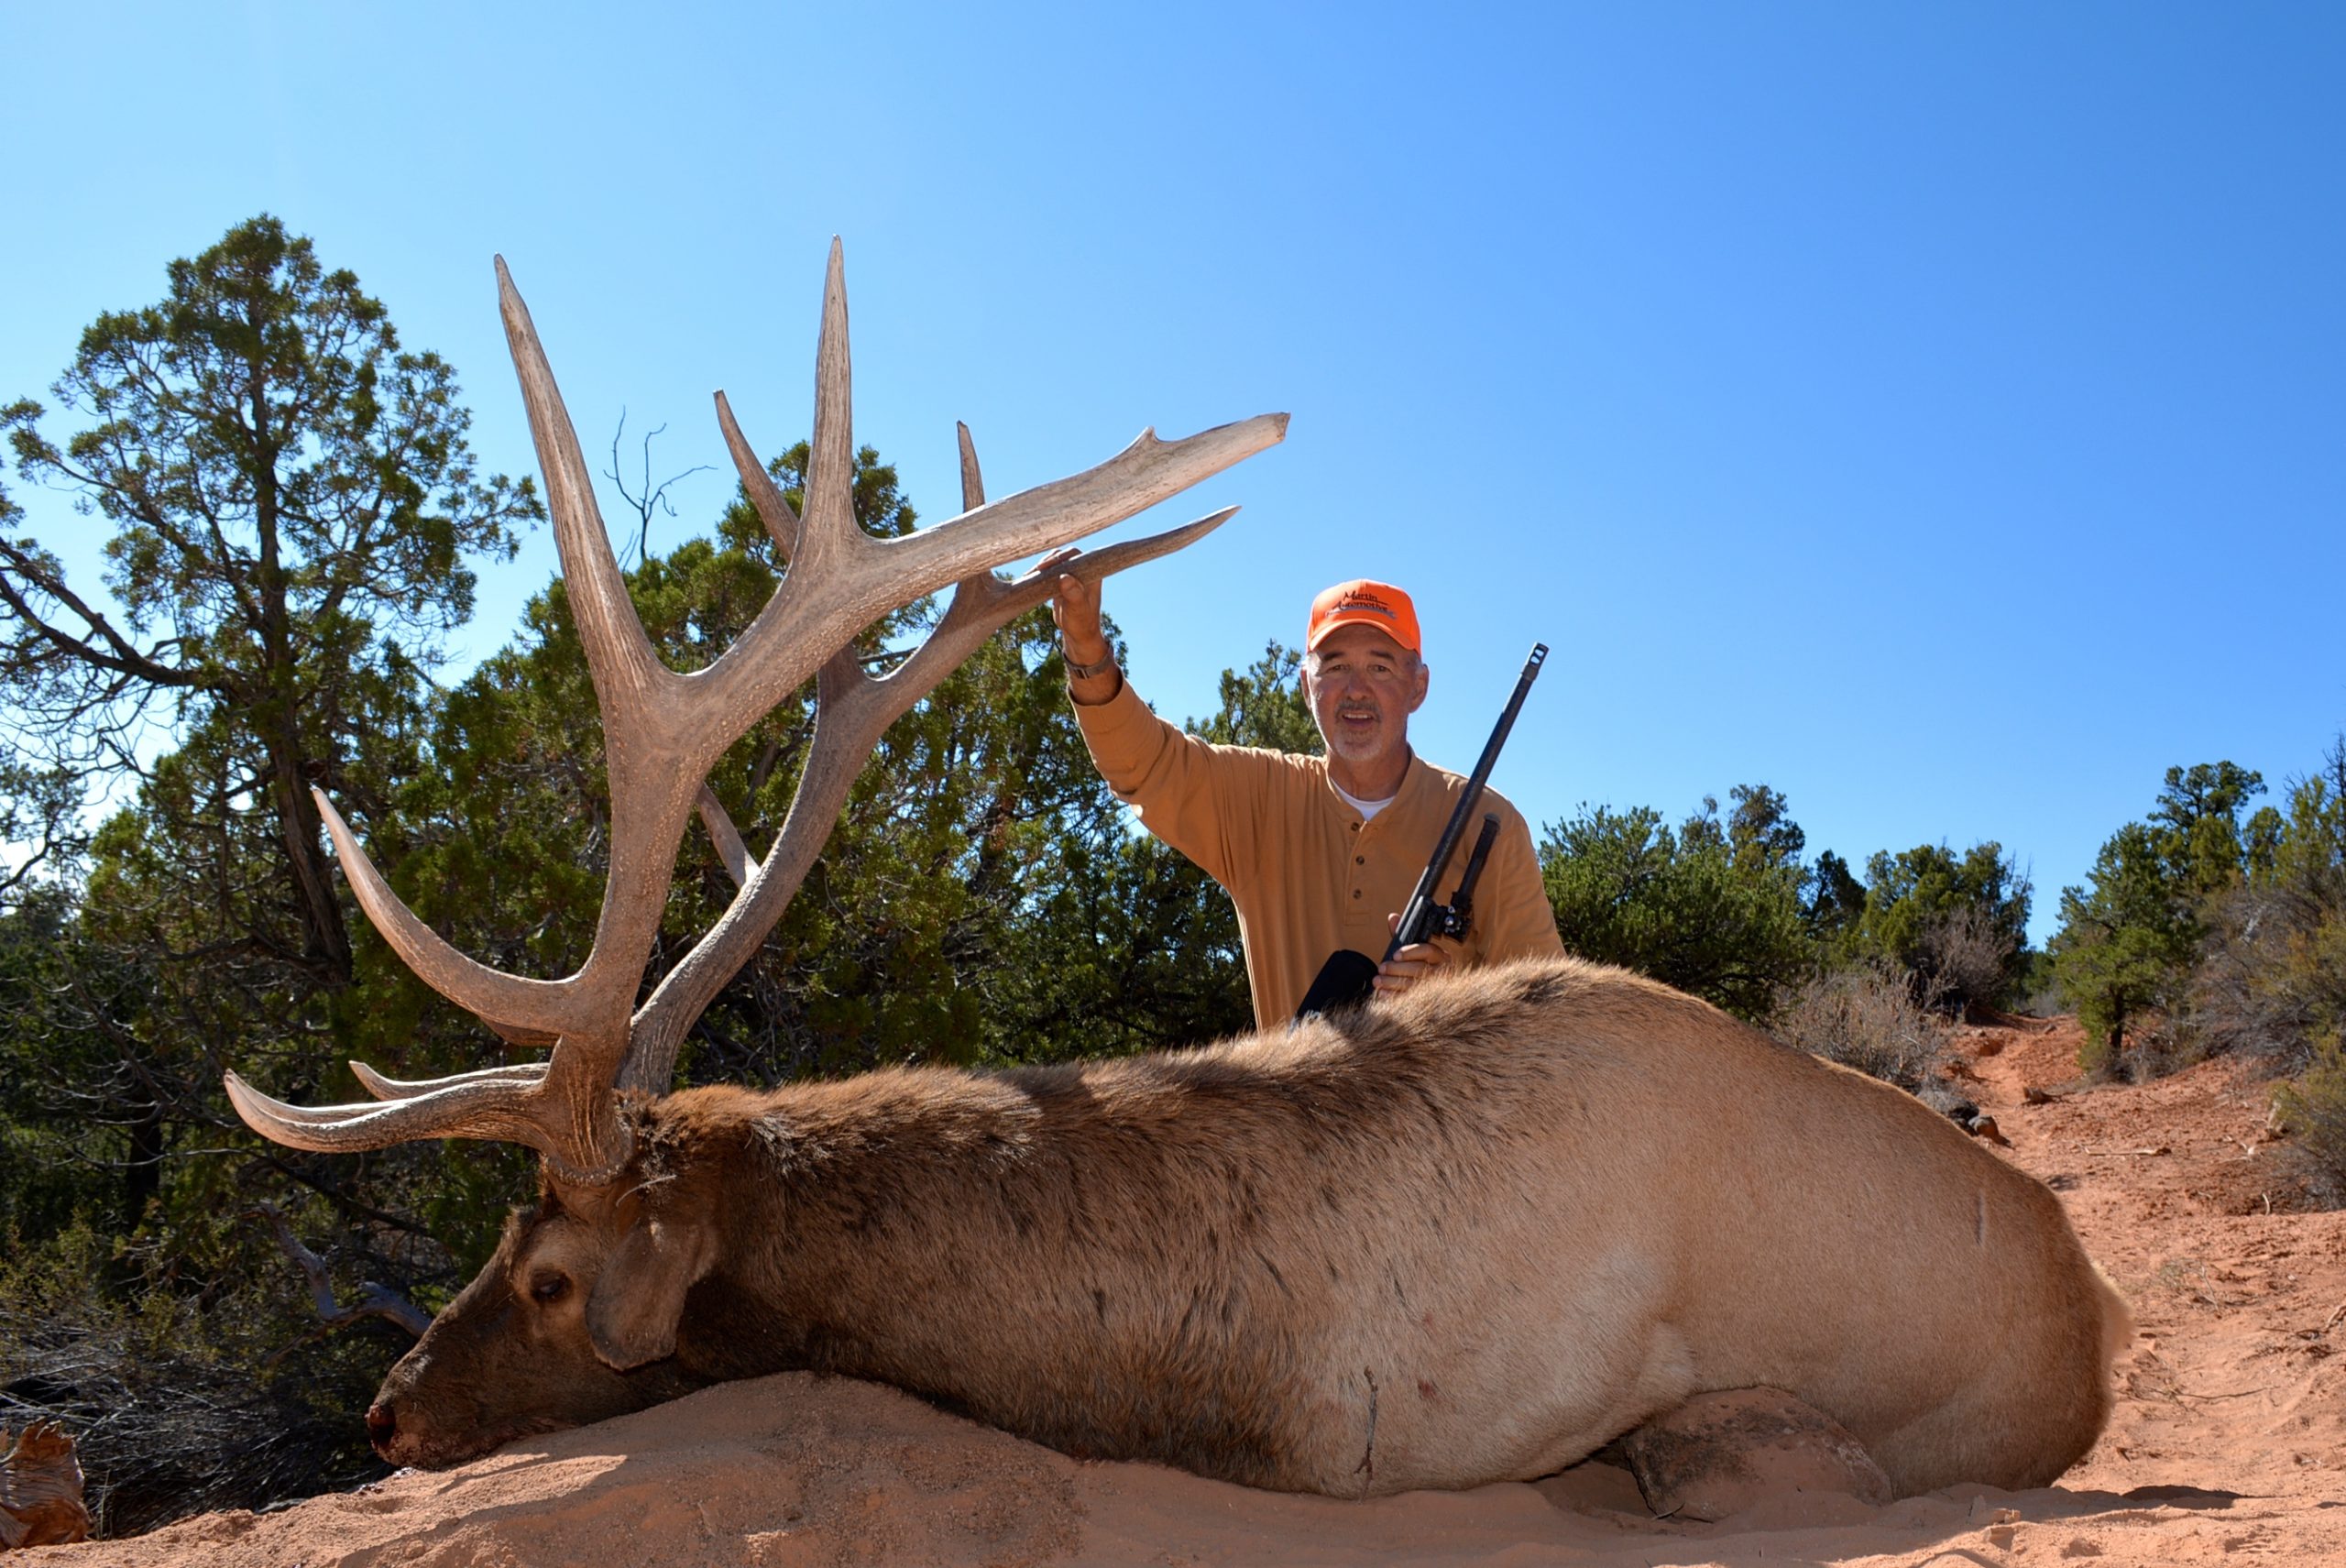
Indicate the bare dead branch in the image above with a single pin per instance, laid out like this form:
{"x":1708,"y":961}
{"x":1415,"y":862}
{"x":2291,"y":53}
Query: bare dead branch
{"x":375,"y":1300}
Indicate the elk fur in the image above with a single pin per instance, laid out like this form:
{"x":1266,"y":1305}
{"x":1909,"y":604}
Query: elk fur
{"x":1468,"y":1236}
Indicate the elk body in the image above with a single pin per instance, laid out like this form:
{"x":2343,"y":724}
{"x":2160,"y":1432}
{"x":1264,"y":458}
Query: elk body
{"x":1468,"y":1236}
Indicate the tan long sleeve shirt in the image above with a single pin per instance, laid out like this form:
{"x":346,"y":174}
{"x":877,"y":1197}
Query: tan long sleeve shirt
{"x":1308,"y":875}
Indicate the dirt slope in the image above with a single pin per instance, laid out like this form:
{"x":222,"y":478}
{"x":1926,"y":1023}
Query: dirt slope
{"x":2226,"y":1446}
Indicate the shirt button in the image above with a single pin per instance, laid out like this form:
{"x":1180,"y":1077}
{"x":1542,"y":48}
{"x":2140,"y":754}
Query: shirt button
{"x":1355,"y":892}
{"x":1360,"y":860}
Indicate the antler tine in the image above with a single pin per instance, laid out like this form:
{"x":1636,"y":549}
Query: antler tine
{"x":727,"y":838}
{"x":854,"y":709}
{"x":501,"y":1000}
{"x":619,"y":657}
{"x":983,"y":606}
{"x":503,"y":1109}
{"x":828,"y":530}
{"x":973,"y":483}
{"x":772,"y":505}
{"x":383,"y":1088}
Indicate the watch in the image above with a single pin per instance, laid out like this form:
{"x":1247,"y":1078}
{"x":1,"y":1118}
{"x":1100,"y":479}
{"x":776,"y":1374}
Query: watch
{"x":1100,"y":666}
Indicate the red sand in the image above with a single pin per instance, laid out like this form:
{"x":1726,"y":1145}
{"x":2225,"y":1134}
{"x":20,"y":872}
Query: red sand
{"x":2225,"y":1447}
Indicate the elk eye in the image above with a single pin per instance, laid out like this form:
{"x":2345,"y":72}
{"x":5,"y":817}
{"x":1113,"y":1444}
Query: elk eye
{"x":548,"y":1288}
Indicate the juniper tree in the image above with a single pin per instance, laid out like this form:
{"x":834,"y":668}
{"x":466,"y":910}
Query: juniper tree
{"x":292,"y":502}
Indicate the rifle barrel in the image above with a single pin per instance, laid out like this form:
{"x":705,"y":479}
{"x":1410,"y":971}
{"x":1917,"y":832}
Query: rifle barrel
{"x":1420,"y":901}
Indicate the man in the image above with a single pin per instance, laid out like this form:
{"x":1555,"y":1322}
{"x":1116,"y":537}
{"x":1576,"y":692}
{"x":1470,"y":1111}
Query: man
{"x":1318,"y":853}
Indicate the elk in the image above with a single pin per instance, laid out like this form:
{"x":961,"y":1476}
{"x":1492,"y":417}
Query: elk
{"x":1467,"y":1235}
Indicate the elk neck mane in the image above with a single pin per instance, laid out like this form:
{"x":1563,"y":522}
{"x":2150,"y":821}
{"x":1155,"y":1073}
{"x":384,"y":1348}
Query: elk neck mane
{"x":1441,"y":1073}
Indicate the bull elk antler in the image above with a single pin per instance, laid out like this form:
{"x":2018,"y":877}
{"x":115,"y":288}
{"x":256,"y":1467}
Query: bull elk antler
{"x":663,"y":731}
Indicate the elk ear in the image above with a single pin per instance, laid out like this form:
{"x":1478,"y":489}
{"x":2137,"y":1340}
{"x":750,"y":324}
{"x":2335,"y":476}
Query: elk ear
{"x":639,"y":1295}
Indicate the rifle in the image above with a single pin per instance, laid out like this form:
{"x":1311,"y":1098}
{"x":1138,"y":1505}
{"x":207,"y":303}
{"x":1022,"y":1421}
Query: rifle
{"x":1345,"y":979}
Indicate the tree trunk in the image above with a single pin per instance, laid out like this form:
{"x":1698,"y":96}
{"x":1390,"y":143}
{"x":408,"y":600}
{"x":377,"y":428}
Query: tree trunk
{"x":325,"y":942}
{"x":142,"y":1170}
{"x":325,"y":939}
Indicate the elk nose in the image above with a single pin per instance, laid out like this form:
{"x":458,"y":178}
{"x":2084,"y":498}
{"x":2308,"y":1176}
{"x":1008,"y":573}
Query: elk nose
{"x":381,"y":1424}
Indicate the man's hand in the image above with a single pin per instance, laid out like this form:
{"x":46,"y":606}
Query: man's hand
{"x":1075,"y":608}
{"x":1412,"y":963}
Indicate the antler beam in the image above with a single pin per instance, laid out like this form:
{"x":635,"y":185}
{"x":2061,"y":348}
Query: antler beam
{"x":663,"y":730}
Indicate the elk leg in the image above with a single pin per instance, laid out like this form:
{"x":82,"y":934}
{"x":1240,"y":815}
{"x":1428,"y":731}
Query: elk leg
{"x":1720,"y":1453}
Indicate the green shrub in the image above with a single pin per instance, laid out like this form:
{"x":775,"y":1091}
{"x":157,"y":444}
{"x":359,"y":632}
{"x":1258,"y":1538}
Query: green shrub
{"x":1958,"y":922}
{"x":1707,"y":907}
{"x":2133,"y":937}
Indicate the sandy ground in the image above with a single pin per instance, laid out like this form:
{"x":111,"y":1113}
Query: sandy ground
{"x":2225,"y":1447}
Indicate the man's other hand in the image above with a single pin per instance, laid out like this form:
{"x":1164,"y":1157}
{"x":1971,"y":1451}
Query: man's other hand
{"x":1412,"y":963}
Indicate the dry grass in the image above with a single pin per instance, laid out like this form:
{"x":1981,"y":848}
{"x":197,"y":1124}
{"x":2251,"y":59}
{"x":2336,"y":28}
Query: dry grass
{"x":1867,"y":1018}
{"x":168,"y":1403}
{"x":1966,"y":961}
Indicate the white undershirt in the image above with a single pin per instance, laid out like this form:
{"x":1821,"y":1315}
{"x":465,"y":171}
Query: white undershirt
{"x":1367,"y":808}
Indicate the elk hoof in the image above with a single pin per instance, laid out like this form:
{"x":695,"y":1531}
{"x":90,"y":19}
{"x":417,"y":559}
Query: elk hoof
{"x":1719,"y":1454}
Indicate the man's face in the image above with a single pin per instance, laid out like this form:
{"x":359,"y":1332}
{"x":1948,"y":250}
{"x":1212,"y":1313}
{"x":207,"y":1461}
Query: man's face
{"x":1363,"y":687}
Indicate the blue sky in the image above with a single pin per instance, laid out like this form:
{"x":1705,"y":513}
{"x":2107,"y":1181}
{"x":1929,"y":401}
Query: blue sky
{"x":1933,"y":413}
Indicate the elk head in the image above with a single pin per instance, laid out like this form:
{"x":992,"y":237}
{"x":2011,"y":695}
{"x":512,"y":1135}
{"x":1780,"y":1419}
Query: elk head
{"x":574,"y":1317}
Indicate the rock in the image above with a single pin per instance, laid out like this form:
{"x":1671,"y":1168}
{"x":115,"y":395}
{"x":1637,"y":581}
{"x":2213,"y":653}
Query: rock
{"x":40,"y":1489}
{"x":1941,"y":1097}
{"x":1722,"y":1454}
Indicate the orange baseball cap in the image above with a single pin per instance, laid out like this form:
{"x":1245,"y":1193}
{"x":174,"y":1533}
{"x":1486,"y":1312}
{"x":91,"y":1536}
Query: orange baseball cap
{"x":1364,"y":603}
